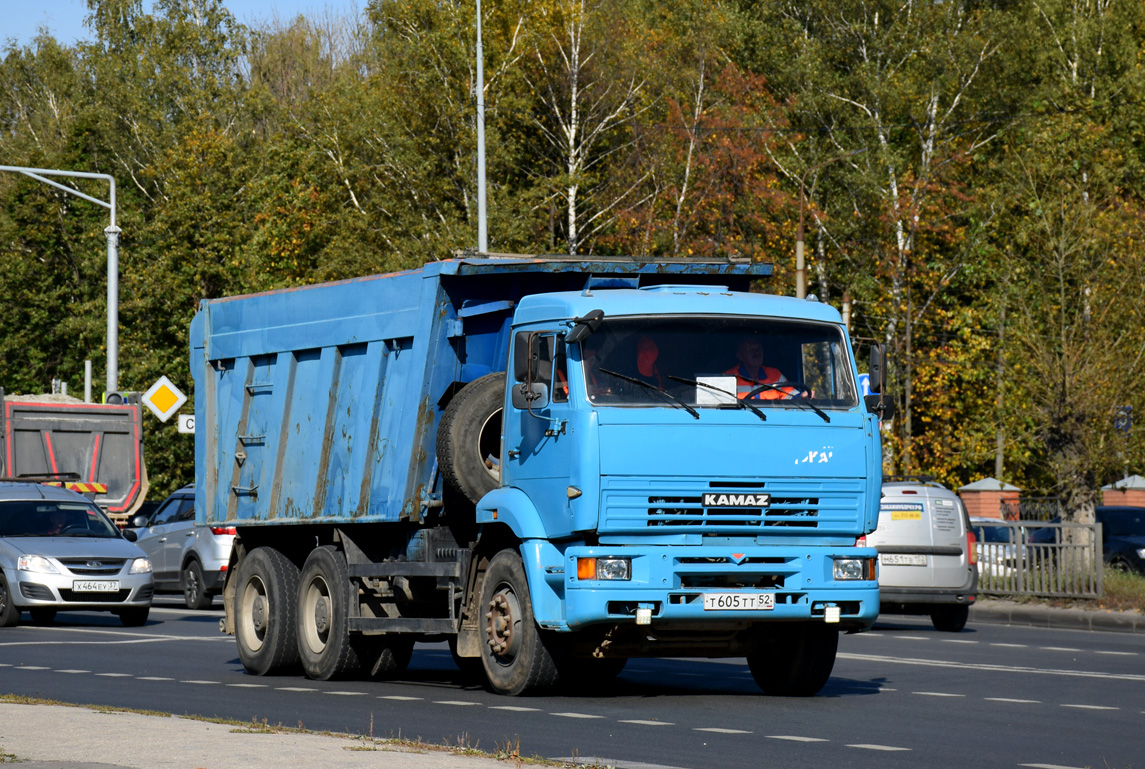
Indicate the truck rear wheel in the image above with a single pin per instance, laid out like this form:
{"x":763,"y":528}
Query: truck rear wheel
{"x":470,"y":434}
{"x":323,"y":616}
{"x":266,"y":595}
{"x":794,"y":660}
{"x":515,"y":652}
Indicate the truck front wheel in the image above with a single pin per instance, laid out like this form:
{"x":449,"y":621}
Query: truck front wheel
{"x":794,"y":660}
{"x":515,"y":653}
{"x":265,"y":598}
{"x":323,"y":616}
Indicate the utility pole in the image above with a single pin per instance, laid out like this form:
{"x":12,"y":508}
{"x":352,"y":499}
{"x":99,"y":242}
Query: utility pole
{"x":482,"y":233}
{"x":112,"y":233}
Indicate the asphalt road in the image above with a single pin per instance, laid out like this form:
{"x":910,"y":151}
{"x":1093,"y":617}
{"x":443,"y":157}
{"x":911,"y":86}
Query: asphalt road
{"x":902,"y":695}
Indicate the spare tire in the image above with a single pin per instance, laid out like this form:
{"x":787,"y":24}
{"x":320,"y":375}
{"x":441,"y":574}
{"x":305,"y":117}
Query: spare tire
{"x":469,"y":437}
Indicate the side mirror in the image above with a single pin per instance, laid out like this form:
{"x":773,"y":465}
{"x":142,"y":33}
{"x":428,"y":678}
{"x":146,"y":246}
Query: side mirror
{"x":526,"y":355}
{"x":881,"y":404}
{"x":877,"y":370}
{"x":585,"y":326}
{"x":533,"y":395}
{"x":138,"y":521}
{"x":130,"y":535}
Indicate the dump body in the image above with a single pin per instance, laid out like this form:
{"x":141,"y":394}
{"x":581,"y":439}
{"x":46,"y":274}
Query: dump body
{"x":547,"y":461}
{"x":100,"y":444}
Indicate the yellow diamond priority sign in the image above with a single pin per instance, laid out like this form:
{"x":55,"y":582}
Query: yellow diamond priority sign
{"x":164,"y":399}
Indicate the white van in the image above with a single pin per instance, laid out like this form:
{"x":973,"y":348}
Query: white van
{"x":927,"y":557}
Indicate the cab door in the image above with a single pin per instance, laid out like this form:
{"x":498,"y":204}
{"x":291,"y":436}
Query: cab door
{"x":538,"y":433}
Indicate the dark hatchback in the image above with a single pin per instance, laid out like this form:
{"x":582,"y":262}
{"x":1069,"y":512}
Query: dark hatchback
{"x":1122,"y":537}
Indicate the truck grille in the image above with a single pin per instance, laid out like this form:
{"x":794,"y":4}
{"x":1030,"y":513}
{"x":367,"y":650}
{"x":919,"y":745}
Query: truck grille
{"x":630,"y":504}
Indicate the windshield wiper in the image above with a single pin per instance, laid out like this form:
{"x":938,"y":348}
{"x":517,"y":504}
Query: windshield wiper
{"x":736,"y":399}
{"x":653,"y":388}
{"x":779,"y":388}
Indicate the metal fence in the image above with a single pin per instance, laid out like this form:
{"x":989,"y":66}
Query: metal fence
{"x":1034,"y":558}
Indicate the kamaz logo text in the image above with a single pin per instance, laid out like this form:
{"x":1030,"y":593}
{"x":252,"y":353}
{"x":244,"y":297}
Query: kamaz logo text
{"x":737,"y":500}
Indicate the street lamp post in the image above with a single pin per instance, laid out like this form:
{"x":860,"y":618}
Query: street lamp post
{"x":800,"y":262}
{"x":482,"y":232}
{"x":112,"y":233}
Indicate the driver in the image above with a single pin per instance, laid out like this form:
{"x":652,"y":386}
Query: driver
{"x":750,"y":373}
{"x":57,"y":522}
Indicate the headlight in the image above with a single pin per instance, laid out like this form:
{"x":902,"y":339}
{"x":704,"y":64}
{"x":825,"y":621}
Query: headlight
{"x":140,"y":566}
{"x":849,"y":569}
{"x":1141,"y":553}
{"x":604,"y":568}
{"x":36,"y":563}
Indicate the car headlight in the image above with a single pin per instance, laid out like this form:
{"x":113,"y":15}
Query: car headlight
{"x":140,"y":566}
{"x":604,"y":568}
{"x":850,"y":569}
{"x":1141,"y":554}
{"x":36,"y":563}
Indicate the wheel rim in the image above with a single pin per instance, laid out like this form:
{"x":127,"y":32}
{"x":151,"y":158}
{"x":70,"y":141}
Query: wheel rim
{"x":317,"y":614}
{"x":254,"y":613}
{"x":503,"y":623}
{"x":191,"y":592}
{"x":489,"y":444}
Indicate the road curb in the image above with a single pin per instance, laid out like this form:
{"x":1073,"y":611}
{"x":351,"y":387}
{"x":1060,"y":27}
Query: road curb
{"x":1006,"y":613}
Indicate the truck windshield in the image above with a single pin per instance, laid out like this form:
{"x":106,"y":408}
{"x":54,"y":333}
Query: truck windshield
{"x":711,"y":362}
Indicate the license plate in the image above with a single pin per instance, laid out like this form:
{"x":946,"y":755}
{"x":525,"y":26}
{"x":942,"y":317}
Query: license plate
{"x":900,"y":559}
{"x":95,"y":586}
{"x":739,"y":601}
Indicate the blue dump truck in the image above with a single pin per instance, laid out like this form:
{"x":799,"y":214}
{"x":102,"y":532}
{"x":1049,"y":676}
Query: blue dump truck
{"x":555,"y":464}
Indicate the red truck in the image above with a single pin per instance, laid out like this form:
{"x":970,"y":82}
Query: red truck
{"x":96,"y":448}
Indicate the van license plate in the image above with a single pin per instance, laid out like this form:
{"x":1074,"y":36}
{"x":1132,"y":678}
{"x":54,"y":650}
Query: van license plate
{"x":96,"y":586}
{"x":901,"y":559}
{"x":739,"y":601}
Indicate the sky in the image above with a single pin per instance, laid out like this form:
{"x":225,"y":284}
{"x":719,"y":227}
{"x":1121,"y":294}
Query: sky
{"x":21,"y":19}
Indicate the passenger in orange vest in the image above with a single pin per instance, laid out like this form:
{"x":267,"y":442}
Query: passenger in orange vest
{"x":646,"y":354}
{"x":750,"y":373}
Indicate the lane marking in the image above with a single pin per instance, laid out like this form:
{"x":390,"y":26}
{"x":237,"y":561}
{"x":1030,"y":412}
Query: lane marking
{"x":399,"y":698}
{"x":200,"y":682}
{"x":938,"y":694}
{"x":115,"y":675}
{"x":957,"y":641}
{"x":1010,"y":699}
{"x":514,"y":708}
{"x":646,"y":723}
{"x":348,"y":694}
{"x":32,"y":667}
{"x":794,"y":738}
{"x":1011,"y":646}
{"x":718,"y":730}
{"x":250,"y":686}
{"x":1049,"y":766}
{"x":294,"y":689}
{"x":575,"y":715}
{"x":153,"y":678}
{"x":1120,"y":654}
{"x":994,"y":668}
{"x":73,"y":671}
{"x":913,"y":637}
{"x":1059,"y":649}
{"x":866,"y":746}
{"x":460,"y":703}
{"x":1090,"y":707}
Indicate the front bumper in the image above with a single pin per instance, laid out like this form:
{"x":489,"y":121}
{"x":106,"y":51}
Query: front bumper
{"x":37,"y":589}
{"x":669,"y":583}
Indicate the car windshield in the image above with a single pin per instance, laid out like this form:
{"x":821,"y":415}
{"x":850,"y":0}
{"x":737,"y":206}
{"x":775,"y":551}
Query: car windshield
{"x":1123,"y":523}
{"x":45,"y":518}
{"x":715,"y":361}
